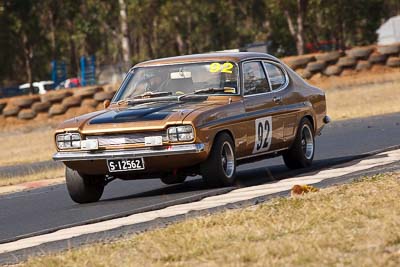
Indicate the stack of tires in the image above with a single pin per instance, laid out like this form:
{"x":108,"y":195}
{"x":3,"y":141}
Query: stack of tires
{"x":337,"y":63}
{"x":56,"y":103}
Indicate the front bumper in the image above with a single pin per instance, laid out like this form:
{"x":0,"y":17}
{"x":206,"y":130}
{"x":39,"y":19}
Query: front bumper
{"x":131,"y":153}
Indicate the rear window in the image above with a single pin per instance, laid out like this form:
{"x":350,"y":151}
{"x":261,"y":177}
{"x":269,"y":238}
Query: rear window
{"x":276,"y":75}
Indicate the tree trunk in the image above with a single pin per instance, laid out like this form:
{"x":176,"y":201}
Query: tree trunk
{"x":154,"y":43}
{"x":297,"y":31}
{"x":124,"y":35}
{"x":52,"y":31}
{"x":180,"y":44}
{"x":73,"y":63}
{"x":28,"y":55}
{"x":301,"y":6}
{"x":189,"y":32}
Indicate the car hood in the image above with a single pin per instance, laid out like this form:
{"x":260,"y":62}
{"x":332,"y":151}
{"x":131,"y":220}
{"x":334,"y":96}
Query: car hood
{"x":145,"y":116}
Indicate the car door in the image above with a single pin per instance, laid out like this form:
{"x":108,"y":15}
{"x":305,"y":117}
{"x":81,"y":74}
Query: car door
{"x":279,"y":81}
{"x":263,"y":110}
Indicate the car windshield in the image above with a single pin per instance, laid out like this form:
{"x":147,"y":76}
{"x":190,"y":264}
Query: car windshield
{"x":180,"y":79}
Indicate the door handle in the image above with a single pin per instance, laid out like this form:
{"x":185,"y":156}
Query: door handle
{"x":277,"y":99}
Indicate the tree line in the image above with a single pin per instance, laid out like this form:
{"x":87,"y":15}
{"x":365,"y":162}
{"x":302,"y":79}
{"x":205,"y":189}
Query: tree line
{"x":32,"y":33}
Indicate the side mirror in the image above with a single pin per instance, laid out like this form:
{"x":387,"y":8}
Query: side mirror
{"x":106,"y":103}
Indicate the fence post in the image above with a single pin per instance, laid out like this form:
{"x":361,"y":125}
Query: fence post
{"x":88,"y":70}
{"x":83,"y":70}
{"x":58,"y":71}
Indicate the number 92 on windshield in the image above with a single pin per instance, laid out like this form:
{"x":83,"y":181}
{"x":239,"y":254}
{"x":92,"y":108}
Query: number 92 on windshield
{"x":120,"y":165}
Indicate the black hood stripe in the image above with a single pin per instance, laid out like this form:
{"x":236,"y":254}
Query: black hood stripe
{"x":144,"y":112}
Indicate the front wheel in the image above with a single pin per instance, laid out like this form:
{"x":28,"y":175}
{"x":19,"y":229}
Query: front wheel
{"x":84,"y":188}
{"x":220,"y":167}
{"x":301,"y":153}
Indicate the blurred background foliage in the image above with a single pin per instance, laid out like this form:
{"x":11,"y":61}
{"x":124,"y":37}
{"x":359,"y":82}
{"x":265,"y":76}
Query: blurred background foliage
{"x":32,"y":33}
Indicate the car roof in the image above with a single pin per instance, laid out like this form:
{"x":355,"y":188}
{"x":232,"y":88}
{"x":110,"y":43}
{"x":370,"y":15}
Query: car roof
{"x":218,"y":56}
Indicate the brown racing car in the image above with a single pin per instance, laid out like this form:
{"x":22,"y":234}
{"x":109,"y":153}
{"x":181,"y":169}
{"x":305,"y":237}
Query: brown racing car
{"x":199,"y":114}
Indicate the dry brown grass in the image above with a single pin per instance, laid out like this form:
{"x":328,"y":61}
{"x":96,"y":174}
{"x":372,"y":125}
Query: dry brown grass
{"x":43,"y":175}
{"x":364,"y":101}
{"x":356,"y":224}
{"x":23,"y":147}
{"x":376,"y":76}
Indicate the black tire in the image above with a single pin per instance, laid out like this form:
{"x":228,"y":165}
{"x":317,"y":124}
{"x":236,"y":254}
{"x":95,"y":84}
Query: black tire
{"x":304,"y":73}
{"x":41,"y":106}
{"x":363,"y":65}
{"x":299,"y":61}
{"x":393,"y":62}
{"x":25,"y":102}
{"x":389,"y":49}
{"x":316,"y":66}
{"x":84,"y":188}
{"x":101,"y":96}
{"x":71,"y":101}
{"x":2,"y":106}
{"x":377,"y":58}
{"x":57,"y":109}
{"x":26,"y":114}
{"x":347,"y":62}
{"x":301,"y":153}
{"x":11,"y":110}
{"x":173,"y":179}
{"x":329,"y":57}
{"x":220,"y":167}
{"x":333,"y":70}
{"x":360,"y":52}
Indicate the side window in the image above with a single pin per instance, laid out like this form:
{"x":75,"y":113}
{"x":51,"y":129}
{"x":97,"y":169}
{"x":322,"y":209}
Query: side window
{"x":255,"y":81}
{"x":276,"y":75}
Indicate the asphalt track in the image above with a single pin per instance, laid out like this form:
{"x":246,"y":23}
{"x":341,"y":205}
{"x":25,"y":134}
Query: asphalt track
{"x":47,"y":209}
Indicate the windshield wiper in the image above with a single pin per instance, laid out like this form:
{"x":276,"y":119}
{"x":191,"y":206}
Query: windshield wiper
{"x":207,"y":90}
{"x":145,"y":97}
{"x":152,"y":94}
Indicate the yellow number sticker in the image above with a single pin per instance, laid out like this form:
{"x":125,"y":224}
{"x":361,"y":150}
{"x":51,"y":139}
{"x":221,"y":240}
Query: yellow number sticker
{"x":227,"y":67}
{"x":217,"y":67}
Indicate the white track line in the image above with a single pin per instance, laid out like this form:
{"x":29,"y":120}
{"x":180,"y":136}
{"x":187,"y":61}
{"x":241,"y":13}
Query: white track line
{"x":206,"y":203}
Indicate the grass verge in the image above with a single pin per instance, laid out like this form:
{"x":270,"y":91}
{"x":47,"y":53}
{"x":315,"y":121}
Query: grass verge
{"x":364,"y":101}
{"x":378,"y":75}
{"x":43,"y":175}
{"x":356,"y":224}
{"x":26,"y":147}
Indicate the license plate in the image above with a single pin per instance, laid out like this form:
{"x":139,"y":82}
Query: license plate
{"x":121,"y":165}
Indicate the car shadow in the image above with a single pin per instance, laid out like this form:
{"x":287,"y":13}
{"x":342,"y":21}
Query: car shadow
{"x":248,"y":177}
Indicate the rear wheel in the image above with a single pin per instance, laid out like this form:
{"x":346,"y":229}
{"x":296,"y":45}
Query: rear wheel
{"x":84,"y":188}
{"x":301,"y":154}
{"x":220,"y":167}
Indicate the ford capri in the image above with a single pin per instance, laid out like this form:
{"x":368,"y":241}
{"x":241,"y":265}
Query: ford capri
{"x":192,"y":115}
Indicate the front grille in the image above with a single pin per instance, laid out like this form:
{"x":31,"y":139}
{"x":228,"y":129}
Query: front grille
{"x":125,"y":139}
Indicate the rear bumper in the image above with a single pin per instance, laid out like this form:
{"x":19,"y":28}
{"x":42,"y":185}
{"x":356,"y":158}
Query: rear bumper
{"x":131,"y":153}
